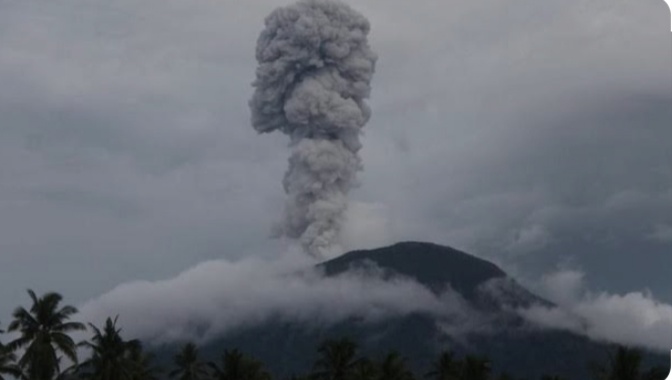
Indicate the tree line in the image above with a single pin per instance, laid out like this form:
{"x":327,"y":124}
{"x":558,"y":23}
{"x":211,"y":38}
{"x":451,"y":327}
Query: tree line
{"x":44,"y":350}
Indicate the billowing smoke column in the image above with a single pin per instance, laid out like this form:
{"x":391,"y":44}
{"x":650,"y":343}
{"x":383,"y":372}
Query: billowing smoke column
{"x":315,"y":69}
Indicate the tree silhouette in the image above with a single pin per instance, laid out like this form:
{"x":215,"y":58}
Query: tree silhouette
{"x":475,"y":368}
{"x":551,"y":377}
{"x":8,"y":362}
{"x":236,"y":366}
{"x":623,"y":364}
{"x":336,"y":359}
{"x":655,"y":373}
{"x":142,"y":363}
{"x":626,"y":364}
{"x":44,"y":332}
{"x":446,"y":367}
{"x":187,"y":364}
{"x":110,"y":354}
{"x":393,"y":367}
{"x":364,"y":369}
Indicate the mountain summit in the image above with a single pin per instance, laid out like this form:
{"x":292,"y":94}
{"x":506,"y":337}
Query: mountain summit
{"x":483,"y":284}
{"x":432,"y":265}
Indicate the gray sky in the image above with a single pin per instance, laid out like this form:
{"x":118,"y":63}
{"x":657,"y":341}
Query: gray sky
{"x":536,"y":134}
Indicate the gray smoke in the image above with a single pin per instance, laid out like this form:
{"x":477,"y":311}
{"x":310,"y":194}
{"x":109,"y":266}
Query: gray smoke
{"x":315,"y":69}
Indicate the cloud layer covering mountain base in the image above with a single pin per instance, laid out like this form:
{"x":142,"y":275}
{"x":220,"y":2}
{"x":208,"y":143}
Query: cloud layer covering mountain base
{"x":216,"y":297}
{"x":634,"y":318}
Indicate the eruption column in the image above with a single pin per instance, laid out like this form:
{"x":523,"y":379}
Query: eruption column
{"x":315,"y":69}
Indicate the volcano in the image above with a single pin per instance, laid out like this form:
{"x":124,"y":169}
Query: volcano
{"x":492,"y":328}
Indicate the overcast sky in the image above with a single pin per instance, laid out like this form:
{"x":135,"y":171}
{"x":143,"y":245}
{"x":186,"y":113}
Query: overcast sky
{"x":534,"y":133}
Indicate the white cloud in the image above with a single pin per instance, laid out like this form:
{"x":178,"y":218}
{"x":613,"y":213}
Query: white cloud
{"x":634,"y":318}
{"x":662,"y":233}
{"x":218,"y":296}
{"x":563,"y":287}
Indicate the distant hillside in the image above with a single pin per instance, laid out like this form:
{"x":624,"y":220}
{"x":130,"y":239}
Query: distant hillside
{"x":512,"y":344}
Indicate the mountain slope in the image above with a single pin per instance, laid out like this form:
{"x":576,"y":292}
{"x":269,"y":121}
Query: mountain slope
{"x":492,"y":328}
{"x":430,"y":264}
{"x":438,"y":267}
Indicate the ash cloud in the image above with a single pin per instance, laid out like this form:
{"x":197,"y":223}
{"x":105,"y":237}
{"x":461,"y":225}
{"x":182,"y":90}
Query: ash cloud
{"x":314,"y":73}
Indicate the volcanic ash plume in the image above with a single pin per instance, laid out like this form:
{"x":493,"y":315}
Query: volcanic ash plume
{"x":315,"y":69}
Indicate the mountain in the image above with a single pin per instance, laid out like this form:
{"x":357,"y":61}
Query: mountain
{"x":437,"y":267}
{"x":429,"y":264}
{"x":492,"y":327}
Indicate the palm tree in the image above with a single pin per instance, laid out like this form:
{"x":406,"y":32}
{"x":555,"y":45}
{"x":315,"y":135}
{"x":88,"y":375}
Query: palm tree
{"x":69,"y":373}
{"x":236,"y":366}
{"x":110,"y":354}
{"x":475,"y":368}
{"x":141,"y":363}
{"x":364,"y":369}
{"x":298,"y":377}
{"x":393,"y":367}
{"x":7,"y":362}
{"x":445,"y":368}
{"x":188,"y":367}
{"x":551,"y":377}
{"x":655,"y":373}
{"x":337,"y":359}
{"x":507,"y":376}
{"x":231,"y":368}
{"x":44,"y":334}
{"x":623,"y":364}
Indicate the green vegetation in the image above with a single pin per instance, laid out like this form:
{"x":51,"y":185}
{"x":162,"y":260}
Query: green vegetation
{"x":188,"y":366}
{"x":44,"y":330}
{"x":42,"y":349}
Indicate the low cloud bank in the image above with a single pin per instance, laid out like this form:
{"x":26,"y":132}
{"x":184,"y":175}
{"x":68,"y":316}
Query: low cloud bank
{"x":215,"y":297}
{"x":635,"y":318}
{"x":220,"y":296}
